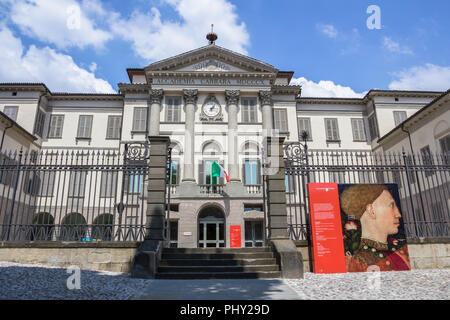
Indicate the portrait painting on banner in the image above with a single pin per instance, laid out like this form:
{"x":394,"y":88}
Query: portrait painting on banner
{"x":373,"y":229}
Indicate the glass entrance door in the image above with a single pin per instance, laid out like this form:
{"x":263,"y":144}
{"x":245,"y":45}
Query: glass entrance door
{"x":211,"y":233}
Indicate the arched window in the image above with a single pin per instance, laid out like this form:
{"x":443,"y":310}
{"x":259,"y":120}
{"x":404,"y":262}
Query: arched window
{"x":73,"y":227}
{"x":43,"y":226}
{"x":102,"y":227}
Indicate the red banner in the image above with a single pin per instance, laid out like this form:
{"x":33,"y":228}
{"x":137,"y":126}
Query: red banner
{"x":235,"y":237}
{"x":329,"y":256}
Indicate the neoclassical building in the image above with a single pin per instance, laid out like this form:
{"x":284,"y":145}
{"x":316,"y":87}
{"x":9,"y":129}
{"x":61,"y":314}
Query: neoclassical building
{"x":215,"y":105}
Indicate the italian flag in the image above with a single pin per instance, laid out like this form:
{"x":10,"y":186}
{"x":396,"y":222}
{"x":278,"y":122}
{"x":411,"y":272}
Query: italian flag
{"x":218,"y":171}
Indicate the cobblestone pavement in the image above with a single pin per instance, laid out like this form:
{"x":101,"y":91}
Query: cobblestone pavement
{"x":22,"y":281}
{"x":396,"y":285}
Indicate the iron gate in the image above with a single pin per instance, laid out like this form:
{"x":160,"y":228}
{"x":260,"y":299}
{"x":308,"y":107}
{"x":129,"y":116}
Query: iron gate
{"x":74,"y":195}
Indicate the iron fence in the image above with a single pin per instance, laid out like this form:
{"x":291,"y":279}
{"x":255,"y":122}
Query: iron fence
{"x":423,"y":182}
{"x":74,"y":195}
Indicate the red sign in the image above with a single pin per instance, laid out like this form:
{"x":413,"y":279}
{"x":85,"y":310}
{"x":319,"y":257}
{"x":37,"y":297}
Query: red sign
{"x":328,"y":245}
{"x":235,"y":236}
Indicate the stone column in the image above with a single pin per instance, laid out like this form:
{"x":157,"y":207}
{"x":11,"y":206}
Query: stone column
{"x":156,"y":96}
{"x":291,"y":261}
{"x":232,"y":98}
{"x":190,"y":101}
{"x":265,"y":99}
{"x":146,"y":261}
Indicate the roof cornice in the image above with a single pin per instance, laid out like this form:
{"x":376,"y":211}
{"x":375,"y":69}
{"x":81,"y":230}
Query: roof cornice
{"x":133,"y":88}
{"x":24,"y":86}
{"x":286,"y":89}
{"x":59,"y":96}
{"x":419,"y":115}
{"x":4,"y":118}
{"x":234,"y":58}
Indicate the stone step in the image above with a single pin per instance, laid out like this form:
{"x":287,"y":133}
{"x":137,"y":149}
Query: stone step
{"x":239,"y":256}
{"x":217,"y":262}
{"x":217,"y":250}
{"x":216,"y":269}
{"x":219,"y":275}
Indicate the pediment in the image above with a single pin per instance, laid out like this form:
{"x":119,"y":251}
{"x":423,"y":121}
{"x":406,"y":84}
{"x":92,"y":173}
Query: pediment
{"x":211,"y":58}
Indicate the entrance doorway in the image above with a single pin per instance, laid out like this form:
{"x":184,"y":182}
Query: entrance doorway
{"x":211,"y":228}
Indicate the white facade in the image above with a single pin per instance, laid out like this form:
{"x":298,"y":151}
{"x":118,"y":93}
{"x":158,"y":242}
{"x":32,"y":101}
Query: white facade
{"x":252,"y":98}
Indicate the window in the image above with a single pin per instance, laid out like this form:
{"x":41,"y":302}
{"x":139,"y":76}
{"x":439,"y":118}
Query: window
{"x":411,"y":171}
{"x":399,"y":117}
{"x":254,"y":233}
{"x":304,"y":124}
{"x":358,"y":130}
{"x":173,"y":109}
{"x":108,"y":185}
{"x":205,"y":173}
{"x":444,"y":143}
{"x":56,"y":126}
{"x":114,"y":127}
{"x":140,"y":119}
{"x":332,"y":130}
{"x":249,"y":110}
{"x":251,"y":172}
{"x":253,"y":207}
{"x":77,"y":183}
{"x":280,"y":120}
{"x":135,"y":181}
{"x":47,"y":183}
{"x":7,"y":170}
{"x":11,"y":112}
{"x":39,"y":125}
{"x":427,"y":160}
{"x":174,"y":175}
{"x":84,"y":127}
{"x":373,"y":127}
{"x":396,"y":175}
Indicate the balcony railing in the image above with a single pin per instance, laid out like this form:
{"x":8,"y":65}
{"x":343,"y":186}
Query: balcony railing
{"x":212,"y":189}
{"x":254,"y":188}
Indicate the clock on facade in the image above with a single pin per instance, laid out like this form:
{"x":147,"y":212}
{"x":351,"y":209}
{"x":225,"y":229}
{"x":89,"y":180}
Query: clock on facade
{"x":211,"y":110}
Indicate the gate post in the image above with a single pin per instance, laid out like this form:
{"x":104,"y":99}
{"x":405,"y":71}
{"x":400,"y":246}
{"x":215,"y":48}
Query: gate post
{"x":146,"y":260}
{"x":289,"y":258}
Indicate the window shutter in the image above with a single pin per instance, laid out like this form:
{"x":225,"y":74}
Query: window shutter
{"x":201,"y":173}
{"x":328,"y":128}
{"x":140,"y":119}
{"x":304,"y":124}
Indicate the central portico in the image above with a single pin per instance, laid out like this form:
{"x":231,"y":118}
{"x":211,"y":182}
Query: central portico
{"x":215,"y":105}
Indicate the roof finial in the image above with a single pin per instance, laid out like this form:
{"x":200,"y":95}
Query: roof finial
{"x":212,"y":37}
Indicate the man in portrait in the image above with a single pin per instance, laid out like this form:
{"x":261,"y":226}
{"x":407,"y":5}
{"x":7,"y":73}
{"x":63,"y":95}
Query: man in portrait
{"x":372,"y":208}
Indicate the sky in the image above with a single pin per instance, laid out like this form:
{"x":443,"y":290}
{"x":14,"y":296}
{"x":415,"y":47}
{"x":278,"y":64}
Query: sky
{"x":335,"y":48}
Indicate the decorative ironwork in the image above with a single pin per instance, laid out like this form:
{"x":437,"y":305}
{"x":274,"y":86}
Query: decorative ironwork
{"x":137,"y":151}
{"x":295,"y":151}
{"x":74,"y":195}
{"x":423,"y":183}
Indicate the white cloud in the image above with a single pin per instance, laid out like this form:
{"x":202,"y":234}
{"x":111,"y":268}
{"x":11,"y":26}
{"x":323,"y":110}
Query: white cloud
{"x":58,"y":71}
{"x":154,"y":38}
{"x":395,"y":47}
{"x":64,"y":23}
{"x":328,"y":29}
{"x":325,"y":88}
{"x":429,"y":77}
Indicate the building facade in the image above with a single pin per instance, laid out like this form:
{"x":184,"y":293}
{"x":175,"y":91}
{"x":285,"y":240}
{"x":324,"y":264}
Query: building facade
{"x":215,"y":105}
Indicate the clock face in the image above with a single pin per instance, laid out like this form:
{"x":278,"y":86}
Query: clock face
{"x":211,"y":109}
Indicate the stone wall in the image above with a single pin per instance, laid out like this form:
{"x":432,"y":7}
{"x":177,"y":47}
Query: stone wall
{"x":116,"y":257}
{"x":423,"y":253}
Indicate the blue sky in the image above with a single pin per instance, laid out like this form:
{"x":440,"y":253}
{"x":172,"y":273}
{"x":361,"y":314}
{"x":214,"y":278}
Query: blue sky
{"x":86,"y":45}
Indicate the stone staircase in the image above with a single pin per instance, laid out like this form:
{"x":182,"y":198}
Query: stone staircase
{"x":218,"y":263}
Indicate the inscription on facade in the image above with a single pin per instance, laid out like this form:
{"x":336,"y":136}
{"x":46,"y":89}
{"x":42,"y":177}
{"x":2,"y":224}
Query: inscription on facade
{"x":210,"y":82}
{"x":212,"y":65}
